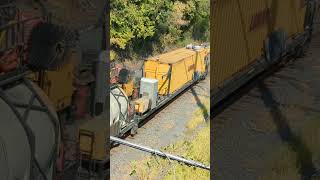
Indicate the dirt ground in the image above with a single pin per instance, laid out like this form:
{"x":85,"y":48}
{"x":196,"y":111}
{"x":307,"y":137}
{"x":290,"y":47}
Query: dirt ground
{"x":275,"y":114}
{"x":167,"y":127}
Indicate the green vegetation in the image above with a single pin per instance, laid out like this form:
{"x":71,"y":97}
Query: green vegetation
{"x":196,"y":148}
{"x":143,"y":27}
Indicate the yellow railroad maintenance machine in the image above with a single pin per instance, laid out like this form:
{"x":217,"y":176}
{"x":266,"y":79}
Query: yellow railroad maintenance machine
{"x":163,"y":78}
{"x":135,"y":96}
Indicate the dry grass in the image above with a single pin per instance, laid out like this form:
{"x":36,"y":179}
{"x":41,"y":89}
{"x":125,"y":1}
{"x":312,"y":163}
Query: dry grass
{"x":198,"y":118}
{"x":198,"y":149}
{"x":157,"y":168}
{"x":283,"y":163}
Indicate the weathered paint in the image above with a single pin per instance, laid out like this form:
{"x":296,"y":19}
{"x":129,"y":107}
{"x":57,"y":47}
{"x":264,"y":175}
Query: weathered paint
{"x":175,"y":69}
{"x":201,"y":55}
{"x":239,"y":29}
{"x":58,"y":85}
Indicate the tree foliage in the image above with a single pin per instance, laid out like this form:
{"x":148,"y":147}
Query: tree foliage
{"x":145,"y":26}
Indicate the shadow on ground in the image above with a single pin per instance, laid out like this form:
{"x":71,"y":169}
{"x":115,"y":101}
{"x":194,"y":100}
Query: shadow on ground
{"x":200,"y":104}
{"x":304,"y":156}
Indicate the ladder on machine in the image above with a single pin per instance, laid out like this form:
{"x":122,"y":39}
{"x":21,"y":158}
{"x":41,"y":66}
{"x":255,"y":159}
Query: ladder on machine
{"x":85,"y":156}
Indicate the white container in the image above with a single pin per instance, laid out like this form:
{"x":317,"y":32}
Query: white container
{"x":150,"y":86}
{"x":15,"y":143}
{"x":118,"y":105}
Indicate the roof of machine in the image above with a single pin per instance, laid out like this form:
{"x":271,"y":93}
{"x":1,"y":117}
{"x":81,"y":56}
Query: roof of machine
{"x":173,"y":56}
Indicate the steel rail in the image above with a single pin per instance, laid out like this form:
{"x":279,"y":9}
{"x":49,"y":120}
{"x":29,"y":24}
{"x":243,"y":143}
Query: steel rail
{"x":159,"y":153}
